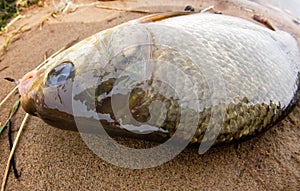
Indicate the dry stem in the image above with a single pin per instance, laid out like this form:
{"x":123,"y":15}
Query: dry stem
{"x":13,"y":151}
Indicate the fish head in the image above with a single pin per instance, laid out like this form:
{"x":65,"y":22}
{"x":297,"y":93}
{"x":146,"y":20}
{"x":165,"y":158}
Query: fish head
{"x":46,"y":91}
{"x":49,"y":90}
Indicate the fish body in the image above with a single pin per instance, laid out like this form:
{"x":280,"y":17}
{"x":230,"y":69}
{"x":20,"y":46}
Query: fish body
{"x":217,"y":77}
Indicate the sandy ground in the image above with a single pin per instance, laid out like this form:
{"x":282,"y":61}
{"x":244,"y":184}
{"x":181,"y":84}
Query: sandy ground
{"x":53,"y":159}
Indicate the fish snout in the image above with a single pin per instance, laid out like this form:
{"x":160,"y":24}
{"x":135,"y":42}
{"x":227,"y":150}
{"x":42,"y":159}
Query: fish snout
{"x":26,"y":82}
{"x":26,"y":91}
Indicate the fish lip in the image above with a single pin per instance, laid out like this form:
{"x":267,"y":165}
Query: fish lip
{"x":23,"y":88}
{"x":27,"y":93}
{"x":28,"y":105}
{"x":31,"y":101}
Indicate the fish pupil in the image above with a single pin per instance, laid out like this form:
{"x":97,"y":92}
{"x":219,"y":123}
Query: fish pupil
{"x":62,"y":78}
{"x":60,"y":74}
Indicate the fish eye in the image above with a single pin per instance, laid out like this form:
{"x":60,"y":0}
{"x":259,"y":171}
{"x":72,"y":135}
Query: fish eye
{"x":60,"y":74}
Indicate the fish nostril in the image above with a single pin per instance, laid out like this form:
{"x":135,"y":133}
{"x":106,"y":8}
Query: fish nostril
{"x":28,"y":77}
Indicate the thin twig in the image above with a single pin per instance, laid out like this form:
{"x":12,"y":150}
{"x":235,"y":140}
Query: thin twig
{"x":8,"y":96}
{"x":42,"y":22}
{"x":12,"y":22}
{"x":4,"y":68}
{"x":13,"y":151}
{"x":264,"y":21}
{"x":126,"y":10}
{"x":98,"y":5}
{"x":207,"y":9}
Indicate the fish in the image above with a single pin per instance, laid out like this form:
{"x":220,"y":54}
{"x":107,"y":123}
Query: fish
{"x":202,"y":77}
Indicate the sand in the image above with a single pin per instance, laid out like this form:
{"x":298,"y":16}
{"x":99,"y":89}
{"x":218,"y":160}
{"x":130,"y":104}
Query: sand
{"x":53,"y":159}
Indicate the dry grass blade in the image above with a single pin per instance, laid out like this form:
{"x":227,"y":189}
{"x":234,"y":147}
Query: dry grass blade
{"x":126,"y":10}
{"x":4,"y":68}
{"x":13,"y":151}
{"x":207,"y":9}
{"x":10,"y":38}
{"x":12,"y":113}
{"x":12,"y":22}
{"x":43,"y":21}
{"x":8,"y":96}
{"x":264,"y":21}
{"x":46,"y":18}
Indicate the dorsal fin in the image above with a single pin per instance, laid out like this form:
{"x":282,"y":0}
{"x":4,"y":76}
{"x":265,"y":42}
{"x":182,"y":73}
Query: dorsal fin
{"x":162,"y":16}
